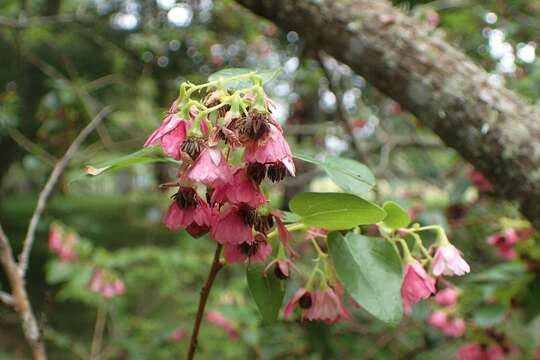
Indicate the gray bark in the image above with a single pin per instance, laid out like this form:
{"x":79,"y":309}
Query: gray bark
{"x":491,"y":127}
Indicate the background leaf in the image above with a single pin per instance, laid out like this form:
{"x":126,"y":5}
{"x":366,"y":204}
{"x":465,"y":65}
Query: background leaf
{"x":371,"y":272}
{"x":267,"y":291}
{"x":335,"y":211}
{"x":266,"y":75}
{"x":396,"y":216}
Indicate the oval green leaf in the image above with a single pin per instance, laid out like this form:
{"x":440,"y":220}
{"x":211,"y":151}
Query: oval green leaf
{"x":396,"y":216}
{"x":267,"y":291}
{"x":348,"y":174}
{"x":371,"y":272}
{"x":335,"y":211}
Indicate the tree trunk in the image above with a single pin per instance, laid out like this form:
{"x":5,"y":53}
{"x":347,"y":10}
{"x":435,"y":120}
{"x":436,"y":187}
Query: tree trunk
{"x":490,"y":126}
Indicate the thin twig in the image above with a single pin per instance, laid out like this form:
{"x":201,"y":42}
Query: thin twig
{"x":31,"y":147}
{"x":205,"y":291}
{"x":51,"y":182}
{"x":20,"y":299}
{"x":341,"y":111}
{"x":101,"y":321}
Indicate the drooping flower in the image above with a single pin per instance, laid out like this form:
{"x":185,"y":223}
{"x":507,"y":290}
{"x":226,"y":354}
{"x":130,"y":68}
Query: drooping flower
{"x":62,"y":243}
{"x":448,"y":261}
{"x":189,"y":211}
{"x":273,"y":151}
{"x":447,"y":297}
{"x":505,"y":241}
{"x":256,"y":250}
{"x":210,"y":168}
{"x":452,"y":327}
{"x":217,"y":318}
{"x":106,"y":285}
{"x":281,"y":269}
{"x":233,"y":226}
{"x":326,"y":307}
{"x":171,"y":133}
{"x":323,"y":305}
{"x":240,"y":190}
{"x":417,"y":285}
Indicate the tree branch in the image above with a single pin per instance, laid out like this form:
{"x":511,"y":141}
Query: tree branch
{"x":205,"y":291}
{"x":51,"y":182}
{"x":491,"y":127}
{"x":20,"y":300}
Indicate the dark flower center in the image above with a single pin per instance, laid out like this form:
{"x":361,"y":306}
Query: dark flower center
{"x":256,"y":171}
{"x":277,"y":172}
{"x":305,"y":301}
{"x":193,"y":147}
{"x":263,"y":223}
{"x":247,"y":214}
{"x":186,"y":198}
{"x":255,"y":125}
{"x":249,"y":249}
{"x":279,"y":274}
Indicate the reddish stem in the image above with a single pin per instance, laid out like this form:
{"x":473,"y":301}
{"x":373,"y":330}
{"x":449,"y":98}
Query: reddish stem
{"x":205,"y":291}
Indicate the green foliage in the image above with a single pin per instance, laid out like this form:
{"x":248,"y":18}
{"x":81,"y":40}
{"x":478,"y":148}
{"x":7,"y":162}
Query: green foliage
{"x":335,"y":211}
{"x":396,"y":216}
{"x":371,"y":272}
{"x":267,"y":291}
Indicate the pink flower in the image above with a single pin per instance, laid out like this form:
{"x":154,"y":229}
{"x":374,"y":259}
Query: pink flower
{"x":448,"y":261}
{"x":256,"y":250}
{"x":505,"y":241}
{"x":494,"y":352}
{"x":105,"y":285}
{"x":210,"y":168}
{"x":240,"y":190}
{"x":273,"y":151}
{"x":471,"y":351}
{"x":281,"y":269}
{"x":217,"y":318}
{"x":323,"y":305}
{"x":326,"y":307}
{"x":178,"y":335}
{"x":447,"y":296}
{"x":171,"y":133}
{"x":189,"y":211}
{"x":62,"y":244}
{"x":537,"y":354}
{"x":479,"y":181}
{"x":232,"y":226}
{"x":437,"y":319}
{"x":417,"y":285}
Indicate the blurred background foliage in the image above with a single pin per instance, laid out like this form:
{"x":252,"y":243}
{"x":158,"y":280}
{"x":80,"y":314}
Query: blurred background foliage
{"x":62,"y":61}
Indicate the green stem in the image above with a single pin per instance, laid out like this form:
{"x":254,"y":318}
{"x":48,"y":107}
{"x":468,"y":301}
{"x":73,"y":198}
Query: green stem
{"x":290,"y":227}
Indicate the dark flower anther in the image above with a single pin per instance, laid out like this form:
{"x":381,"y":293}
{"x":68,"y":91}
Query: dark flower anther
{"x":185,"y":198}
{"x":193,"y":147}
{"x":249,"y":249}
{"x":247,"y":214}
{"x":305,"y":301}
{"x":277,"y":172}
{"x":256,"y":171}
{"x":255,"y":126}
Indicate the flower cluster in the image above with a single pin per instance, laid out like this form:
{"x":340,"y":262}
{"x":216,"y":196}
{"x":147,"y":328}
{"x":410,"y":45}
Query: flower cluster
{"x":219,"y":193}
{"x":443,"y":258}
{"x":62,"y":243}
{"x":106,"y":284}
{"x":69,"y":247}
{"x":505,"y":241}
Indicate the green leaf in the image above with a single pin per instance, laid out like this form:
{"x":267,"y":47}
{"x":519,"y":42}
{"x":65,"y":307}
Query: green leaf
{"x":396,"y":216}
{"x":371,"y":272}
{"x":335,"y":211}
{"x":489,"y":315}
{"x":350,"y":175}
{"x":266,"y":75}
{"x":289,"y":217}
{"x":143,"y":156}
{"x":267,"y":291}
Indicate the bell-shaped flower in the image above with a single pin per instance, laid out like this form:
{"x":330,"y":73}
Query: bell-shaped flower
{"x":448,"y":261}
{"x":232,"y":227}
{"x":255,"y":251}
{"x":417,"y":285}
{"x":240,"y":190}
{"x":210,"y":168}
